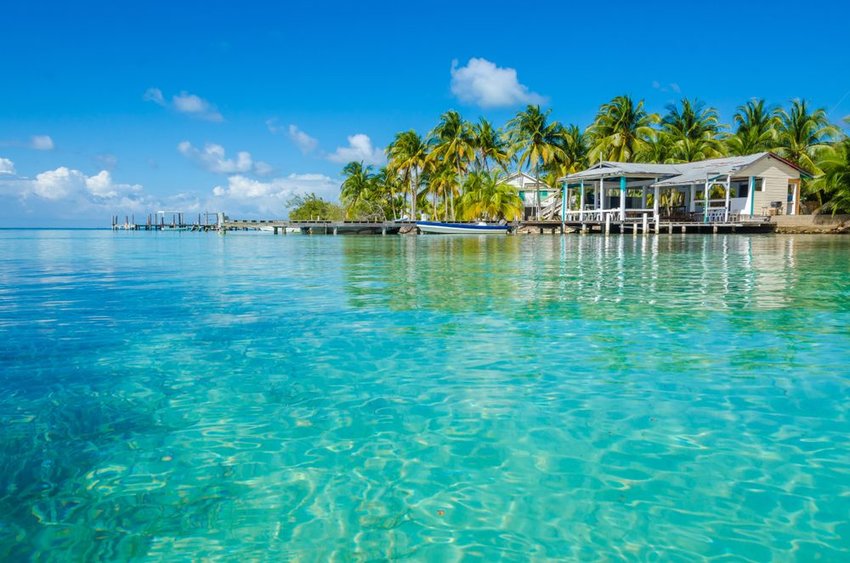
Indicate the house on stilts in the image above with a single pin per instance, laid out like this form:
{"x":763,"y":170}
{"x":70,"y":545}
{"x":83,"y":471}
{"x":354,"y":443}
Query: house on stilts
{"x":721,"y":192}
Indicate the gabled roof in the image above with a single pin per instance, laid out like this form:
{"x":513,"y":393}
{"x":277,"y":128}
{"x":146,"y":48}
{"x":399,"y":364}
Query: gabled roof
{"x":530,"y":179}
{"x":678,"y":174}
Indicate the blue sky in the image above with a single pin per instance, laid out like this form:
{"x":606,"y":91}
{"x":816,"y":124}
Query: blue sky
{"x":107,"y":108}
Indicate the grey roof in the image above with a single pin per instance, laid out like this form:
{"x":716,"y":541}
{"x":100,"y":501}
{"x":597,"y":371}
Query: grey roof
{"x":697,"y":172}
{"x":675,"y":174}
{"x":606,"y":168}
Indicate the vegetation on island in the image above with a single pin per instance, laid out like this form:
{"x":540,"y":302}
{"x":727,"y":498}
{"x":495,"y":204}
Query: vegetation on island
{"x":311,"y":207}
{"x":458,"y":170}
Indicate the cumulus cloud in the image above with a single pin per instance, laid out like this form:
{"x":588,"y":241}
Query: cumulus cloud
{"x":247,"y":196}
{"x":359,"y":149}
{"x":302,"y":140}
{"x":484,"y":84}
{"x":185,"y":103}
{"x":6,"y":166}
{"x":68,"y":184}
{"x":213,"y":157}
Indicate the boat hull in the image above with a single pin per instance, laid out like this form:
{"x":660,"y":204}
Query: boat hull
{"x":436,"y":228}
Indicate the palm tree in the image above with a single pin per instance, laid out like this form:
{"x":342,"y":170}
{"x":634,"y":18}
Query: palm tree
{"x":575,"y":148}
{"x":487,"y":196}
{"x":442,"y":179}
{"x":756,"y":129}
{"x":357,"y":186}
{"x":803,"y":134}
{"x":453,"y":145}
{"x":659,"y":149}
{"x":408,"y":154}
{"x":620,"y":130}
{"x":833,"y":185}
{"x":692,"y":131}
{"x":489,"y":146}
{"x":386,"y":184}
{"x":536,"y":141}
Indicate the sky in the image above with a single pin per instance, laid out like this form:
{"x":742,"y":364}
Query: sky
{"x":112,"y":108}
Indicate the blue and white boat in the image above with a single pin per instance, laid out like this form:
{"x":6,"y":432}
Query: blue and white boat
{"x":439,"y":228}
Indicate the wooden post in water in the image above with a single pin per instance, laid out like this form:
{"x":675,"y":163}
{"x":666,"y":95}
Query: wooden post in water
{"x":607,"y":223}
{"x":645,"y":223}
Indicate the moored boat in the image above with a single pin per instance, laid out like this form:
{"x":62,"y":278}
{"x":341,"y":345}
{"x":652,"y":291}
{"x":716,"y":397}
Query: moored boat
{"x":440,"y":228}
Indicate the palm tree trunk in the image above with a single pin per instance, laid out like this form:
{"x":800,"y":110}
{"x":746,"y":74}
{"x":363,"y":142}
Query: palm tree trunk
{"x":537,"y":189}
{"x":413,"y":186}
{"x":434,"y":200}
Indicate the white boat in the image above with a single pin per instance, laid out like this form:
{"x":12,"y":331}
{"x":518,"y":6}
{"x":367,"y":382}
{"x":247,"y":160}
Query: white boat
{"x":439,"y":228}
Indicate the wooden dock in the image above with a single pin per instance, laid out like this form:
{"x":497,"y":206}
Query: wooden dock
{"x":631,"y":225}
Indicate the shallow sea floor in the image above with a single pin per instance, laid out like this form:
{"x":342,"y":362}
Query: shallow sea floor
{"x":186,"y":395}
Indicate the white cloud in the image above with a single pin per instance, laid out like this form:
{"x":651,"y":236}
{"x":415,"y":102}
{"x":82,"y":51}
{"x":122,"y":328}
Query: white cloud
{"x":185,"y":103}
{"x":244,"y":196}
{"x":106,"y":160}
{"x":662,"y":88}
{"x":41,"y":143}
{"x":196,"y":106}
{"x":57,"y":184}
{"x":154,"y":95}
{"x":69,"y":184}
{"x":101,"y":186}
{"x":214,"y":159}
{"x":359,"y":148}
{"x":263,"y":168}
{"x":274,"y":128}
{"x":302,"y":140}
{"x":6,"y":166}
{"x":483,"y":83}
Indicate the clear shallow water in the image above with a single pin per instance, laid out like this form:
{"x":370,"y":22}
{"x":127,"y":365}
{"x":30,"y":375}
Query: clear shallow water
{"x":333,"y":398}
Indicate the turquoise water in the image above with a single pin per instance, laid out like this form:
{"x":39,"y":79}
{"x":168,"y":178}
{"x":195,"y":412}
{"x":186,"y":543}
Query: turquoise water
{"x":185,"y":395}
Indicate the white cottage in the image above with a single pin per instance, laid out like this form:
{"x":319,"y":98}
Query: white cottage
{"x":527,"y":188}
{"x":738,"y":187}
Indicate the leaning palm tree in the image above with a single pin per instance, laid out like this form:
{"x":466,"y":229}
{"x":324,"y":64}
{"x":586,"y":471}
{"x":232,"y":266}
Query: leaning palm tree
{"x":802,"y":134}
{"x":489,"y":146}
{"x":693,"y":130}
{"x":487,"y":196}
{"x":357,"y":187}
{"x":454,"y":147}
{"x":408,"y":154}
{"x":535,"y":142}
{"x":620,"y":130}
{"x":756,"y":129}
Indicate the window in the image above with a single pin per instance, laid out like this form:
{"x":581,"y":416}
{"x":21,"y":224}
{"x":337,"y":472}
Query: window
{"x":759,"y":184}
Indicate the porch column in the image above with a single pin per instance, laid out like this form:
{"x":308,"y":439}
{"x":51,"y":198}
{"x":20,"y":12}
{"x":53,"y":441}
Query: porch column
{"x":643,"y":197}
{"x":581,"y":201}
{"x":728,"y":197}
{"x":705,"y":192}
{"x":751,"y":196}
{"x":656,"y":203}
{"x":564,"y":206}
{"x":600,"y":201}
{"x":795,"y":198}
{"x":692,"y":207}
{"x":622,"y":198}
